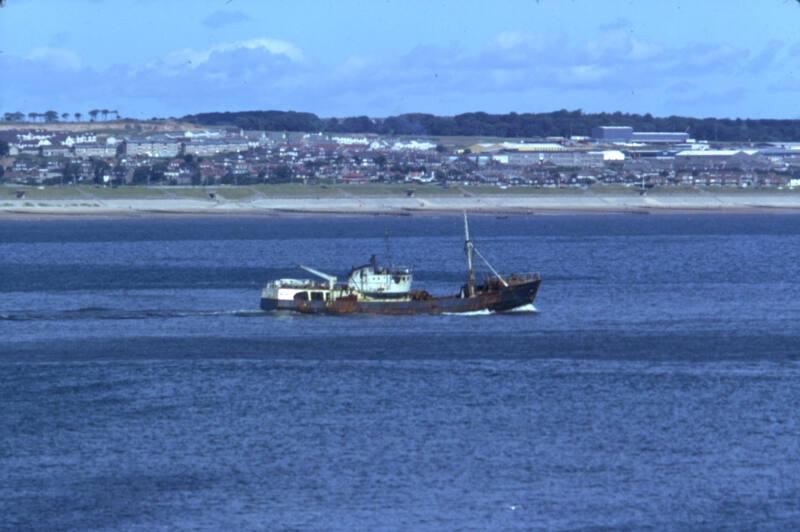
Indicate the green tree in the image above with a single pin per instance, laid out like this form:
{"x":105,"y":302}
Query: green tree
{"x":77,"y":116}
{"x":72,"y":172}
{"x":33,"y":116}
{"x":158,"y":171}
{"x":141,"y":175}
{"x":93,"y":114}
{"x":283,"y":174}
{"x":64,"y":116}
{"x":119,"y":171}
{"x":560,"y":123}
{"x":50,"y":116}
{"x":100,"y":169}
{"x":228,"y":179}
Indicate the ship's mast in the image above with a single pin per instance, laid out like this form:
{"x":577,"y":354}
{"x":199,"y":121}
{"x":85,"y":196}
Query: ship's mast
{"x":388,"y":245}
{"x":468,"y":250}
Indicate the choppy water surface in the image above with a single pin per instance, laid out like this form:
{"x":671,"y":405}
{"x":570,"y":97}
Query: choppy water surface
{"x":658,"y":385}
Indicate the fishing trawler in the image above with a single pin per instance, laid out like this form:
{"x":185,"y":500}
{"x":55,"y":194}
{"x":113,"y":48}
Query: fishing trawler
{"x":374,"y":289}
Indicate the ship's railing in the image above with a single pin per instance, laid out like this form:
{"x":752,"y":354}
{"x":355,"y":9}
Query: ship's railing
{"x":523,"y":277}
{"x":298,"y":283}
{"x":514,"y":278}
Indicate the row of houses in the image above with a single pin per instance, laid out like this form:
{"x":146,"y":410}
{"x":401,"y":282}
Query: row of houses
{"x":146,"y":147}
{"x":190,"y":157}
{"x":677,"y":158}
{"x":171,"y":147}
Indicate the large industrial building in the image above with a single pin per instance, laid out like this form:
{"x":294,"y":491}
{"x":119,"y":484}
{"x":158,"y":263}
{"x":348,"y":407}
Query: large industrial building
{"x":626,"y":134}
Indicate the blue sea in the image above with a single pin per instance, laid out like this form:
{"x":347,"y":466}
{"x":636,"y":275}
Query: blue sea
{"x":656,"y":387}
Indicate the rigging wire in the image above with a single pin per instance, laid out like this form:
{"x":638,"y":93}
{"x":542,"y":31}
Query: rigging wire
{"x":475,"y":249}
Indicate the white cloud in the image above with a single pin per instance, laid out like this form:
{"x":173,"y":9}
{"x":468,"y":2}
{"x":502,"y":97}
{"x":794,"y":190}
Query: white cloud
{"x":194,"y":58}
{"x":619,"y":44}
{"x":221,"y":18}
{"x":510,"y":40}
{"x":581,"y":74}
{"x":57,"y":58}
{"x":515,"y":71}
{"x":273,"y":46}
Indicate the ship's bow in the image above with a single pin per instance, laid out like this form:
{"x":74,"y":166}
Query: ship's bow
{"x":521,"y":291}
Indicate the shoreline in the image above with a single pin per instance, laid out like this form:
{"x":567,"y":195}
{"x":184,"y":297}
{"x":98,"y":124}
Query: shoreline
{"x":698,"y":203}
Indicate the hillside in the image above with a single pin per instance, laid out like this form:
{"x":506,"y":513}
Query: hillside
{"x":558,"y":123}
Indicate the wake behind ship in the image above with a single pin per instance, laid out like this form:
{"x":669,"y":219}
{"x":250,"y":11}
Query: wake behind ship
{"x":372,"y":289}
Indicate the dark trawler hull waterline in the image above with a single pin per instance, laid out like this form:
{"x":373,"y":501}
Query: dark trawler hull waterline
{"x":371,"y":289}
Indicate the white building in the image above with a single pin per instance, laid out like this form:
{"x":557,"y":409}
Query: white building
{"x":80,"y":138}
{"x":153,"y":147}
{"x":94,"y":150}
{"x":204,"y":148}
{"x":413,"y":145}
{"x":351,"y":141}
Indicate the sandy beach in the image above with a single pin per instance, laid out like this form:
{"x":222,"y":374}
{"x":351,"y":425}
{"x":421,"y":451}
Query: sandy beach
{"x":110,"y":203}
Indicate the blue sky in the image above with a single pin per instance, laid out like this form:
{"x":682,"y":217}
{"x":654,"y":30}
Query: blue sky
{"x":345,"y":57}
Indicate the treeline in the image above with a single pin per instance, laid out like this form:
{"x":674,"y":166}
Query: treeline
{"x":53,"y":116}
{"x":558,"y":123}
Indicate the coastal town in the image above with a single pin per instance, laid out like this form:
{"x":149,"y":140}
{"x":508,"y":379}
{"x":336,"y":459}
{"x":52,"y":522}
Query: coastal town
{"x":173,"y":154}
{"x":399,"y":265}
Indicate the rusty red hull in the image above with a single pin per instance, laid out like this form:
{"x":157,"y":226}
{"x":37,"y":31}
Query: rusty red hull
{"x":494,"y":298}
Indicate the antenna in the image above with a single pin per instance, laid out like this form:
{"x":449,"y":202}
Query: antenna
{"x":387,"y":243}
